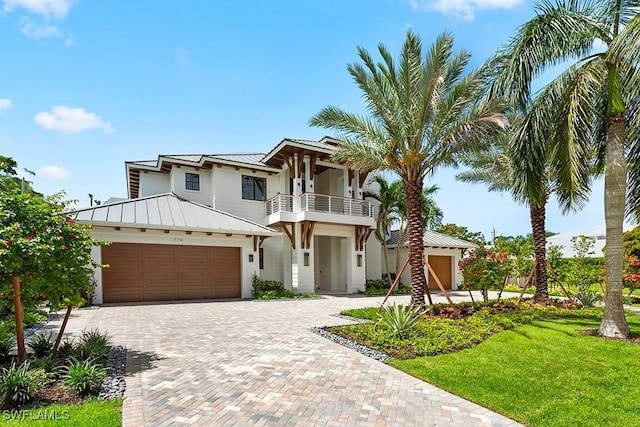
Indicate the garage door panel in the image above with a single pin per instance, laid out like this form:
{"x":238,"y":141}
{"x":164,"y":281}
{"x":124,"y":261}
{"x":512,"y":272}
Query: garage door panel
{"x":441,"y":265}
{"x":152,"y":272}
{"x":122,"y":276}
{"x":159,"y":272}
{"x":193,"y":272}
{"x":225,"y":272}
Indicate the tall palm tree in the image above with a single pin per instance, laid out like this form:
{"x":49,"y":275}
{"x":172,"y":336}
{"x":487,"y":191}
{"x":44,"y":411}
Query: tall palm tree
{"x":422,"y":112}
{"x":431,"y":214}
{"x":388,"y":201}
{"x":589,"y":111}
{"x":496,"y":168}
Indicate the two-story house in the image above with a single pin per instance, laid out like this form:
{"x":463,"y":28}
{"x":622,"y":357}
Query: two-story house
{"x":200,"y":226}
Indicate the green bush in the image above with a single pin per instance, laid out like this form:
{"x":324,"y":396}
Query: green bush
{"x":5,"y":348}
{"x":19,"y":384}
{"x":49,"y":363}
{"x":512,"y":288}
{"x":272,"y":289}
{"x":66,"y":350}
{"x":93,"y":345}
{"x":42,"y":344}
{"x":398,"y":319}
{"x":84,"y":376}
{"x":588,"y":298}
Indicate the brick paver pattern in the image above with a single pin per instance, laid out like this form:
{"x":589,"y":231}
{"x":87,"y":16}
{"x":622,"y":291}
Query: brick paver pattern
{"x":256,"y":363}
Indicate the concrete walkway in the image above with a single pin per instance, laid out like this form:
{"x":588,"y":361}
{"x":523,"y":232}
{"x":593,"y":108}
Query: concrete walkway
{"x":256,"y":363}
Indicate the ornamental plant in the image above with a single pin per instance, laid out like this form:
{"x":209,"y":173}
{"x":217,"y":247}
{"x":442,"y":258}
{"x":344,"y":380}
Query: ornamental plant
{"x":46,"y":255}
{"x":631,"y":273}
{"x":484,"y":269}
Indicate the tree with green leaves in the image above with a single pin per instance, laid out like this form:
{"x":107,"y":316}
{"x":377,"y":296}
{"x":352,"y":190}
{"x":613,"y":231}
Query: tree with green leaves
{"x":462,"y":232}
{"x":421,"y":113}
{"x":586,"y":115}
{"x":631,"y":242}
{"x":388,"y":199}
{"x":496,"y":168}
{"x":46,"y":255}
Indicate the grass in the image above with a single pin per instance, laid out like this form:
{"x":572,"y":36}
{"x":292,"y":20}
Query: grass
{"x":92,"y":413}
{"x":544,"y":374}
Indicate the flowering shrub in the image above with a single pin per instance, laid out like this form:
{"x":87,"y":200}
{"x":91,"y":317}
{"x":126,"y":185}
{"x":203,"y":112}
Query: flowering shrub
{"x":631,"y":275}
{"x":484,"y":269}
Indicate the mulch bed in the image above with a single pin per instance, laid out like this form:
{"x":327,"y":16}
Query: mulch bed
{"x":633,"y":338}
{"x":56,"y":393}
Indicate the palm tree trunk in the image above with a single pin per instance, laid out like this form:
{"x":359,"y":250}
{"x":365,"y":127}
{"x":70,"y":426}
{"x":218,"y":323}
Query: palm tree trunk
{"x":538,"y":214}
{"x":386,"y":258}
{"x":614,"y":323}
{"x":413,"y":191}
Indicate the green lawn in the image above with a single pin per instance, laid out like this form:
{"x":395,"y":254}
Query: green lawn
{"x":92,"y":413}
{"x":544,"y":374}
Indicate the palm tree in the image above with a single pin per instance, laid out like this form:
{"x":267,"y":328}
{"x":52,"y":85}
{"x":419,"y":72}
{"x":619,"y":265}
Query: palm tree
{"x":496,"y":168}
{"x":422,"y":112}
{"x":387,"y":200}
{"x":431,"y":214}
{"x":590,"y":111}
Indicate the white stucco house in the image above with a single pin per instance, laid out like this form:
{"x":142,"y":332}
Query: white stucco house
{"x":200,"y":226}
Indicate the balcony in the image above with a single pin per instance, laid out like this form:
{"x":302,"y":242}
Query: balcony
{"x":318,"y":207}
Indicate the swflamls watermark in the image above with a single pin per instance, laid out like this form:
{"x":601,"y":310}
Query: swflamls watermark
{"x":35,"y":414}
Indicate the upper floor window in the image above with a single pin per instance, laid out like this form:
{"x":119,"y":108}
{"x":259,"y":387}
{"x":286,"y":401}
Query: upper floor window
{"x":254,"y":188}
{"x":192,"y":181}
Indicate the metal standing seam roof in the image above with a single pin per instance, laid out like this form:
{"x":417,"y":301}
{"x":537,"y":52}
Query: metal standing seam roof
{"x":433,"y":239}
{"x":168,"y":211}
{"x":254,"y":159}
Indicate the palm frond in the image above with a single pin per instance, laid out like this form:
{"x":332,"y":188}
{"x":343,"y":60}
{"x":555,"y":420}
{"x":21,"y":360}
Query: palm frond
{"x":560,"y":32}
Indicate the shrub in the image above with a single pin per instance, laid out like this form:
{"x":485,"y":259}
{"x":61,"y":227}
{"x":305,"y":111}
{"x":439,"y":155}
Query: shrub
{"x":5,"y":348}
{"x":84,"y":376}
{"x":42,"y":345}
{"x":93,"y":345}
{"x":66,"y":350}
{"x":398,"y":319}
{"x":512,"y":288}
{"x":484,"y":269}
{"x":49,"y":363}
{"x":588,"y":298}
{"x":20,"y":385}
{"x":631,"y":273}
{"x":272,"y":289}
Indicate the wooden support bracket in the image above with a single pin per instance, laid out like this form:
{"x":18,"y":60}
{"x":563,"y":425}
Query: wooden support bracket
{"x":306,"y":233}
{"x":291,"y":233}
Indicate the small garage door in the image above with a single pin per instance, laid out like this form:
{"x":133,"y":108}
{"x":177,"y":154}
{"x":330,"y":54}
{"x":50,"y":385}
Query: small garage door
{"x":144,"y":272}
{"x":442,"y":266}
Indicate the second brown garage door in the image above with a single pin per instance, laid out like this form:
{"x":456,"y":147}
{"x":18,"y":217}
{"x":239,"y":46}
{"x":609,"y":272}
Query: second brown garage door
{"x":442,"y":267}
{"x":145,"y":272}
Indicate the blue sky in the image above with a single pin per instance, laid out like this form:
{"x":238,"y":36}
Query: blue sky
{"x":86,"y":85}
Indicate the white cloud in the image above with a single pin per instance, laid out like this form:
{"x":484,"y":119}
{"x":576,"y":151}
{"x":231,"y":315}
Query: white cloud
{"x":464,"y":9}
{"x":70,"y":120}
{"x":38,"y":31}
{"x":54,"y":172}
{"x":5,"y":104}
{"x":43,"y":31}
{"x":50,"y":9}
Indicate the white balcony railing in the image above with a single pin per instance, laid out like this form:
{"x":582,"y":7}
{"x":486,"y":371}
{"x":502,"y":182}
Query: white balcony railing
{"x":313,"y":202}
{"x":279,"y":203}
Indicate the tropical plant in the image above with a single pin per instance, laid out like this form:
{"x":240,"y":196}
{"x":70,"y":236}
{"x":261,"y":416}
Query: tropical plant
{"x":496,"y":168}
{"x":587,"y":298}
{"x":46,"y":255}
{"x":585,"y":117}
{"x":422,"y":112}
{"x":42,"y":344}
{"x":5,"y":348}
{"x":484,"y":269}
{"x":631,"y":242}
{"x":84,"y":376}
{"x":631,"y":273}
{"x":388,"y":202}
{"x":93,"y":345}
{"x":461,"y":232}
{"x":398,"y":319}
{"x":19,"y":384}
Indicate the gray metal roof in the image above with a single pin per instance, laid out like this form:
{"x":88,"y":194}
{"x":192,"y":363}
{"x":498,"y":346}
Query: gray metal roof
{"x":432,"y":239}
{"x":254,"y":159}
{"x":169,"y":212}
{"x":251,"y":159}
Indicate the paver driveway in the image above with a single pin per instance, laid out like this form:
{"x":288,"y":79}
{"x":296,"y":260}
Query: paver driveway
{"x":257,"y":363}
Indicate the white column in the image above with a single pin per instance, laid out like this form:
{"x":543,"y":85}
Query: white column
{"x":357,"y":191}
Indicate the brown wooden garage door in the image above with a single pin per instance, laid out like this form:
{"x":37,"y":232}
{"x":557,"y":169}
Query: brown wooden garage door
{"x":442,"y":267}
{"x":144,"y":272}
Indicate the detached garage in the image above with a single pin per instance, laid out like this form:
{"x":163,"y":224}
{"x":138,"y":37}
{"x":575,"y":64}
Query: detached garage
{"x":167,"y":248}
